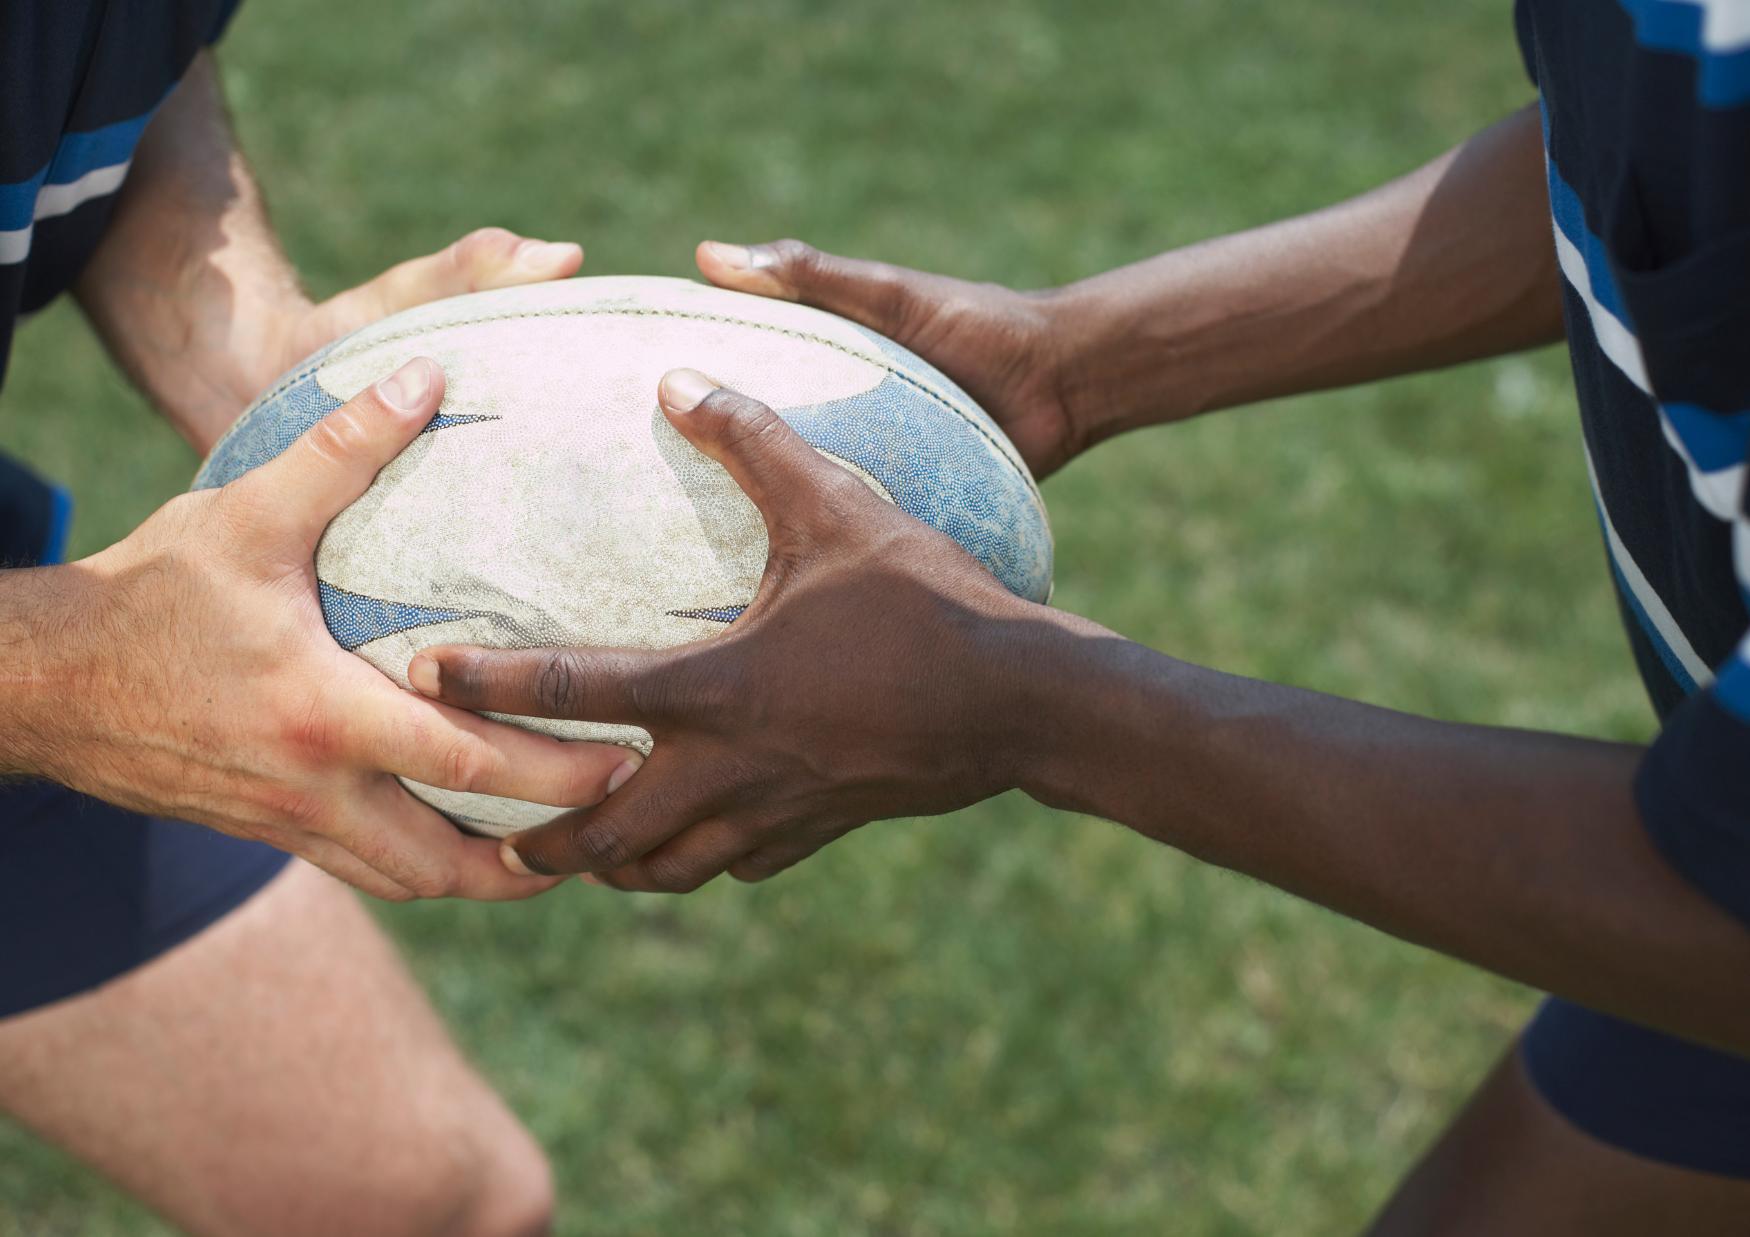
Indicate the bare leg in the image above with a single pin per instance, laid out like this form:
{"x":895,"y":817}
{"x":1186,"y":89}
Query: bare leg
{"x":280,"y":1073}
{"x":1511,"y":1165}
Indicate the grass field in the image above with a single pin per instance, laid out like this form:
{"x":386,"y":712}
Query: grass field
{"x":1004,"y":1021}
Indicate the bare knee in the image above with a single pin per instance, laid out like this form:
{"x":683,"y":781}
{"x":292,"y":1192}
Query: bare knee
{"x":452,"y":1162}
{"x":514,"y":1197}
{"x":499,"y":1188}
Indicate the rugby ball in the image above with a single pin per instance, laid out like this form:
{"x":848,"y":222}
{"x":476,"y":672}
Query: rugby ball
{"x":550,"y":502}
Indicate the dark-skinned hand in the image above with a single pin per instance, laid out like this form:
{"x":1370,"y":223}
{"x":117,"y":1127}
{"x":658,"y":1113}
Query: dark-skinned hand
{"x":867,"y":680}
{"x":1004,"y":347}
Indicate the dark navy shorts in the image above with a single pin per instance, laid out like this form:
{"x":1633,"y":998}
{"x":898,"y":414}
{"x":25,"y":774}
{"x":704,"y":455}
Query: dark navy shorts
{"x":1646,"y":1092}
{"x":89,"y":891}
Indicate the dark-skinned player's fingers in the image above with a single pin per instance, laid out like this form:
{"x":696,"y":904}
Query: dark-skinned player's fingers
{"x":687,"y":861}
{"x":786,"y":478}
{"x":669,"y":794}
{"x":775,"y":857}
{"x":877,"y":294}
{"x":595,"y":685}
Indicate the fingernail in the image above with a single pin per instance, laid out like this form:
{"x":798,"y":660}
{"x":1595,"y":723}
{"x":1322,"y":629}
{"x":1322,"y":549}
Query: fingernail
{"x":507,"y":855}
{"x":590,"y":878}
{"x":422,"y":673}
{"x":736,"y":257}
{"x":627,"y":768}
{"x":685,"y":389}
{"x":406,"y":388}
{"x":742,"y":257}
{"x":545,"y":255}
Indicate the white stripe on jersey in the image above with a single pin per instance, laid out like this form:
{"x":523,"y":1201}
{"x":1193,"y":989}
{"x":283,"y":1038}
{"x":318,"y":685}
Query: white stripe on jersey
{"x":1657,"y":613}
{"x":52,"y":201}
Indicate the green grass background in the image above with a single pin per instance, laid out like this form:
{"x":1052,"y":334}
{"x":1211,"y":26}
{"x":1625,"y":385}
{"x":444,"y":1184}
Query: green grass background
{"x":1005,"y":1021}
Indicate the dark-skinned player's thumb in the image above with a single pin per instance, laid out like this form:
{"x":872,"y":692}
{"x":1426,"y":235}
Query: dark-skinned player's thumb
{"x":875,"y":294}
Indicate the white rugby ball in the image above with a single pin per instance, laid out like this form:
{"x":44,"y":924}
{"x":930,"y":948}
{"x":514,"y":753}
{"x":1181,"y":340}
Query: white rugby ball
{"x":551,"y":503}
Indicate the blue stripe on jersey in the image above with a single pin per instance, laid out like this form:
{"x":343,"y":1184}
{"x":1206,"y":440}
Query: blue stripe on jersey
{"x":1713,"y":33}
{"x":78,"y":155}
{"x":1732,"y":688}
{"x":1714,"y":440}
{"x":18,"y":202}
{"x":1570,"y":217}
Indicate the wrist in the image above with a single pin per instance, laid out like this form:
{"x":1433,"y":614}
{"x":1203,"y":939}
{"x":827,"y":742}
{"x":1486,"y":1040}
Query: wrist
{"x":1101,"y":717}
{"x":1123,"y":348}
{"x":200,"y":341}
{"x":229,"y":365}
{"x":1055,"y":693}
{"x":45,"y":618}
{"x":1074,"y":326}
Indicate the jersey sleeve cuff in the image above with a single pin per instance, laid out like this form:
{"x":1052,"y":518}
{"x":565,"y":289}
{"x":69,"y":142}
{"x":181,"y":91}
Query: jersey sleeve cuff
{"x":221,"y":23}
{"x":1693,"y":792}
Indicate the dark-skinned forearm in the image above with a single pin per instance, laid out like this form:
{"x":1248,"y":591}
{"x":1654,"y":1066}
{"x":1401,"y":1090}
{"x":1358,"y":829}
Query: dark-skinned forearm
{"x":190,"y":275}
{"x":1450,"y":263}
{"x":1519,"y":851}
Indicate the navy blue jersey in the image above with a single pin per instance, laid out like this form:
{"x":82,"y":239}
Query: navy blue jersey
{"x":79,"y":81}
{"x":1646,"y":107}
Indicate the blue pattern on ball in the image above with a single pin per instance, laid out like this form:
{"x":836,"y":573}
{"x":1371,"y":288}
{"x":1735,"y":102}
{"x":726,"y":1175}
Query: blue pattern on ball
{"x":279,"y":423}
{"x":270,"y":428}
{"x":923,"y":454}
{"x":355,"y":620}
{"x":712,"y":614}
{"x":914,"y":365}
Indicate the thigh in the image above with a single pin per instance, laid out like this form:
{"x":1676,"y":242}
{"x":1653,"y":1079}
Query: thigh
{"x":1511,"y":1164}
{"x":279,"y":1072}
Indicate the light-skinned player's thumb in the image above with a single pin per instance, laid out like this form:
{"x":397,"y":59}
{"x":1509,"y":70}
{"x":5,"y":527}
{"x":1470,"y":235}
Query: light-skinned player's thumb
{"x":336,"y":459}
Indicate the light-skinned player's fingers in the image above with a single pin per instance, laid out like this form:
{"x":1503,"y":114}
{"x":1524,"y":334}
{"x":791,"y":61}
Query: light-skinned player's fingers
{"x":410,"y":736}
{"x":627,"y":686}
{"x":349,"y":869}
{"x":877,"y":294}
{"x":485,"y":258}
{"x":414,"y":846}
{"x":335,"y":460}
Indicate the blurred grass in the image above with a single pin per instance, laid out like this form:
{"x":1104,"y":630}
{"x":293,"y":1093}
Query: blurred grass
{"x":1005,"y":1021}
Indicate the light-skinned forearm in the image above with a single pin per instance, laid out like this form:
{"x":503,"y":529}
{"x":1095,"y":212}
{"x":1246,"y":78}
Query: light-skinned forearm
{"x":1520,"y":851}
{"x":41,"y":610}
{"x":1451,"y":263}
{"x":190,"y":283}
